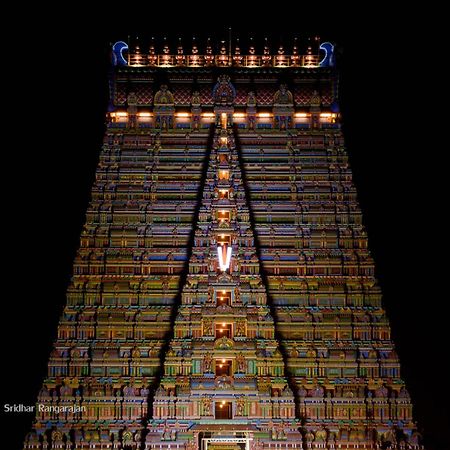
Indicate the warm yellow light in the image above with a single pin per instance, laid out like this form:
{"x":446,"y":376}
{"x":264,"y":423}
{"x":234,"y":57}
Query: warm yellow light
{"x":223,"y":402}
{"x":208,"y":115}
{"x":223,"y":117}
{"x":223,"y":360}
{"x":224,"y":324}
{"x":144,"y":114}
{"x":239,"y":115}
{"x":220,"y":365}
{"x":264,"y":115}
{"x":224,"y":292}
{"x":301,"y":115}
{"x":121,"y":114}
{"x":325,"y":115}
{"x":220,"y":406}
{"x":182,"y":114}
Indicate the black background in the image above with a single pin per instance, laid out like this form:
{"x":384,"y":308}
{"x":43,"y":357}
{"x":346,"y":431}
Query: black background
{"x":54,"y":102}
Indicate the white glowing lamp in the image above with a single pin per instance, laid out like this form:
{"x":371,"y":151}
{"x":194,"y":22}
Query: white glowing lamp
{"x":224,"y":255}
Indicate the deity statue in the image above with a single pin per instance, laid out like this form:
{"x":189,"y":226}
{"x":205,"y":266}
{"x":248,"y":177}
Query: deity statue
{"x":273,"y":433}
{"x":315,"y":99}
{"x":207,"y":363}
{"x":56,"y":437}
{"x":403,"y":393}
{"x":195,"y":99}
{"x":381,"y":392}
{"x":302,"y":392}
{"x":320,"y":436}
{"x":240,"y":406}
{"x":207,"y":327}
{"x":309,"y":436}
{"x":44,"y":392}
{"x":128,"y":391}
{"x":132,"y":101}
{"x":281,"y":434}
{"x":240,"y":328}
{"x":251,"y":99}
{"x":206,"y":403}
{"x":240,"y":360}
{"x":166,"y":434}
{"x":318,"y":391}
{"x":160,"y":391}
{"x":144,"y":392}
{"x":163,"y":97}
{"x":283,"y":96}
{"x":65,"y":391}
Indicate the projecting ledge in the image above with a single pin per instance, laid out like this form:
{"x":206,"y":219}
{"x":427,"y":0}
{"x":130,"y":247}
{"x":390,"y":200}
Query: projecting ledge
{"x":224,"y":424}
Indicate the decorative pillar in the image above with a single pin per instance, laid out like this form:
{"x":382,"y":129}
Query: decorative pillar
{"x":196,"y":110}
{"x":314,"y":109}
{"x":132,"y":110}
{"x":251,"y":110}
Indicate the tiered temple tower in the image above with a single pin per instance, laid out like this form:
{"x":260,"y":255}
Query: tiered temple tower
{"x":224,"y":369}
{"x":223,"y":295}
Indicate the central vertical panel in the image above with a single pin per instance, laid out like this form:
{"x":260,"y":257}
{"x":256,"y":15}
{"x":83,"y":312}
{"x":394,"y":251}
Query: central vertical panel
{"x":223,"y":367}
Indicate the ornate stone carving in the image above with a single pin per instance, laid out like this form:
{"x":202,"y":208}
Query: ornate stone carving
{"x":163,"y":97}
{"x":223,"y":343}
{"x":315,"y":100}
{"x":283,"y":96}
{"x":224,"y":92}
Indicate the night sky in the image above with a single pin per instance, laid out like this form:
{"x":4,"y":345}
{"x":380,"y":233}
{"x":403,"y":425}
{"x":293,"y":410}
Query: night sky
{"x":54,"y":104}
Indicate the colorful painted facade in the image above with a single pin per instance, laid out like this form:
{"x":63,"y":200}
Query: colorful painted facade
{"x":223,"y":295}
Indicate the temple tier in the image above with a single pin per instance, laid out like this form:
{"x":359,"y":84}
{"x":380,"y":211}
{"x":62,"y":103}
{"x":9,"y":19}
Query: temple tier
{"x":223,"y":295}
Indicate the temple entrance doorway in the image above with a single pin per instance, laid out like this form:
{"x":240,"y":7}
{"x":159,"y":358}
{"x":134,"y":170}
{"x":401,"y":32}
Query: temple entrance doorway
{"x":226,"y":443}
{"x":224,"y":447}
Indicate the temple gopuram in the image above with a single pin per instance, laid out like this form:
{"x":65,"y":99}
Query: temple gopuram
{"x":223,"y":295}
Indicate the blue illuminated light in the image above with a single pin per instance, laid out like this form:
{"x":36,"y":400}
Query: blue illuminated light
{"x":118,"y":58}
{"x":328,"y":59}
